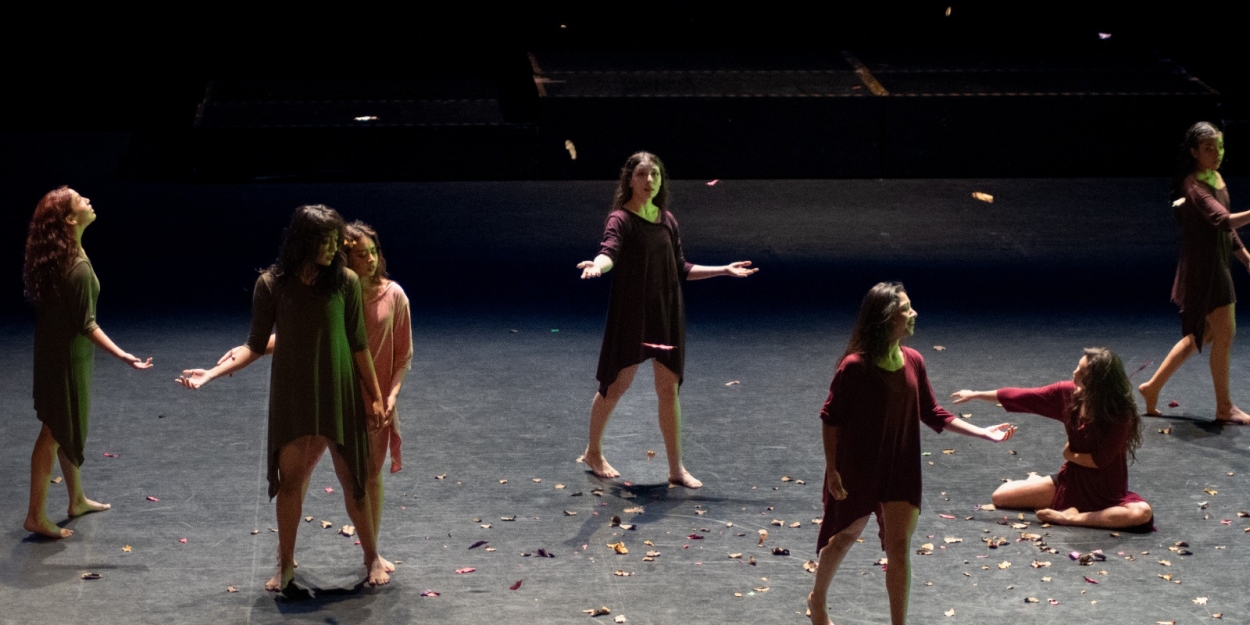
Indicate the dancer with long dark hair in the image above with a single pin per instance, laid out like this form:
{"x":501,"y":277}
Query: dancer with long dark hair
{"x":1203,"y":288}
{"x":1097,"y":410}
{"x":879,"y":396}
{"x":62,"y":285}
{"x":321,"y":362}
{"x":646,"y":315}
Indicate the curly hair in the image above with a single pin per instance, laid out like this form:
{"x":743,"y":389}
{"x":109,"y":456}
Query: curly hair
{"x":623,"y":191}
{"x":357,"y":230}
{"x":1185,"y":162}
{"x":1105,"y":398}
{"x":50,"y":246}
{"x":872,"y":335}
{"x":310,"y":225}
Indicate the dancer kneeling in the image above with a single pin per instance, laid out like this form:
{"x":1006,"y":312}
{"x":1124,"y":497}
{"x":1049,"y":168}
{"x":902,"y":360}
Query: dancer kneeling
{"x":1100,"y":416}
{"x":879,"y":396}
{"x":320,"y":364}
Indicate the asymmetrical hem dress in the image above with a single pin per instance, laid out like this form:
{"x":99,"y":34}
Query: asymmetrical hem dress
{"x":1203,"y":281}
{"x":646,"y":304}
{"x":64,"y":358}
{"x":878,"y":415}
{"x":388,"y":324}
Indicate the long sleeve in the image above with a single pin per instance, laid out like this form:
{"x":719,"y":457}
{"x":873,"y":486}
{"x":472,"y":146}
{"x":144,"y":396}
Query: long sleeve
{"x":1208,"y":207}
{"x":264,"y":313}
{"x":931,"y":414}
{"x":840,"y":403}
{"x":402,"y":339}
{"x":353,"y":314}
{"x":85,"y":289}
{"x":1049,"y":401}
{"x":614,"y":234}
{"x":683,"y":267}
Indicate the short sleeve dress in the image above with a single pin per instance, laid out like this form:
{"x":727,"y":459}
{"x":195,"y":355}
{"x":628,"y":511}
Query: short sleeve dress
{"x":646,"y":304}
{"x":878,"y":415}
{"x":388,"y":325}
{"x":1076,"y":486}
{"x":1203,"y":281}
{"x":314,"y":388}
{"x":64,"y":356}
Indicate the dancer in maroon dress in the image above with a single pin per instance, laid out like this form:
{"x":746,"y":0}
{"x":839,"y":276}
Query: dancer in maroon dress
{"x":879,"y":396}
{"x":1097,"y":409}
{"x":646,"y":316}
{"x":1203,"y":288}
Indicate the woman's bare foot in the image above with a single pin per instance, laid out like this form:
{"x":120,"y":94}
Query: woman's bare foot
{"x":817,"y":611}
{"x":386,"y":564}
{"x":598,"y":465}
{"x":378,"y":574}
{"x":45,"y":527}
{"x":1234,"y":415}
{"x":1058,"y":517}
{"x":281,"y":579}
{"x":685,"y":479}
{"x":1151,"y":396}
{"x":87,"y":506}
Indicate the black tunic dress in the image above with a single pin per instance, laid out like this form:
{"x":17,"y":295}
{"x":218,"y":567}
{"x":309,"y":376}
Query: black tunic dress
{"x":646,"y":304}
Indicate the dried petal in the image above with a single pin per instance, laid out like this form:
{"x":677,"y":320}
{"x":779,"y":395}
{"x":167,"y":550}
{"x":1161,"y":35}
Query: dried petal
{"x":650,"y":454}
{"x":57,"y":480}
{"x":570,"y":513}
{"x":947,"y":516}
{"x":231,"y":589}
{"x":560,"y":487}
{"x":151,"y":498}
{"x":984,"y":197}
{"x":634,"y":510}
{"x":1004,"y":565}
{"x":951,"y":540}
{"x":939,"y":348}
{"x":326,"y":525}
{"x":478,"y":544}
{"x":950,"y":612}
{"x":467,"y":569}
{"x":1090,"y":579}
{"x":600,"y":611}
{"x":516,"y":585}
{"x":619,"y":618}
{"x":348,"y":530}
{"x":695,"y":537}
{"x":508,"y":518}
{"x":91,"y":576}
{"x":619,"y":547}
{"x":795,"y":524}
{"x":763,"y":536}
{"x":1032,"y":600}
{"x":781,"y":551}
{"x":1039,"y":565}
{"x":1200,"y":601}
{"x":430,"y":593}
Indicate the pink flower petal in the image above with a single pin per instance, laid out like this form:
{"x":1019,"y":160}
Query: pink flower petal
{"x":182,"y":540}
{"x":712,"y":183}
{"x":151,"y":498}
{"x":516,"y":585}
{"x":467,"y":569}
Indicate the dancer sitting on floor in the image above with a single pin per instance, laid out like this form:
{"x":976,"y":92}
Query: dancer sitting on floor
{"x":389,"y":328}
{"x":646,"y":316}
{"x":320,"y":365}
{"x":1097,"y":409}
{"x":879,"y":396}
{"x":1203,"y":288}
{"x":62,"y":285}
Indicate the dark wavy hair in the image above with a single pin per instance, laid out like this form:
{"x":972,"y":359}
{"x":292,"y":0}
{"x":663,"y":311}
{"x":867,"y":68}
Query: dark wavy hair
{"x":872,"y":335}
{"x":623,"y":191}
{"x":1185,"y":162}
{"x":357,"y":230}
{"x":310,"y":225}
{"x":50,"y":246}
{"x":1105,"y":399}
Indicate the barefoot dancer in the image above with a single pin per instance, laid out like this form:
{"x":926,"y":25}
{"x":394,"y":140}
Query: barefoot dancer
{"x":389,"y":328}
{"x":319,"y":364}
{"x":879,"y":396}
{"x":1204,"y":287}
{"x":1100,"y":416}
{"x":63,"y":287}
{"x":646,"y":317}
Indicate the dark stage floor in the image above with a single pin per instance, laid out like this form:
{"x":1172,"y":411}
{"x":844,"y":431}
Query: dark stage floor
{"x":500,"y":390}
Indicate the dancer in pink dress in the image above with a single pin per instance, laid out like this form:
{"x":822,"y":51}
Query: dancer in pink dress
{"x":879,"y":396}
{"x":1097,"y":409}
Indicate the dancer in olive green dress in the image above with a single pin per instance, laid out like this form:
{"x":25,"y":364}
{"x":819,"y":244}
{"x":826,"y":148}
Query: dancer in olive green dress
{"x":320,"y":362}
{"x":63,"y":287}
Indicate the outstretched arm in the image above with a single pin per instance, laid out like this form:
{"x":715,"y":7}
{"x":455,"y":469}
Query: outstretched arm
{"x":959,"y":397}
{"x":994,"y":433}
{"x":102,"y":340}
{"x":195,"y":378}
{"x":595,"y":268}
{"x":240,"y":351}
{"x":740,"y":269}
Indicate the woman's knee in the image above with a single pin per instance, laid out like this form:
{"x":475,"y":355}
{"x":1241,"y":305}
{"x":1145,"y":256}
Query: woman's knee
{"x":1140,"y":513}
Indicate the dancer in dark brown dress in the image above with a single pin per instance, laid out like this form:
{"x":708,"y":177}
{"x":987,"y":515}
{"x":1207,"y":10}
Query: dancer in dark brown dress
{"x":879,"y":397}
{"x":1097,"y":410}
{"x":320,"y":364}
{"x":63,"y":287}
{"x":646,"y":316}
{"x":1203,"y":288}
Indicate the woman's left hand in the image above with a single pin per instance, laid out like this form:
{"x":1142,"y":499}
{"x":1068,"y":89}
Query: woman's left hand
{"x":740,"y":269}
{"x":138,"y":364}
{"x":999,"y":433}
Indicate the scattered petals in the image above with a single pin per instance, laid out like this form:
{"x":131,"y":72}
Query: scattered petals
{"x":948,"y":452}
{"x":571,"y":513}
{"x":508,"y":518}
{"x":1053,"y":601}
{"x":988,"y":507}
{"x":951,"y":540}
{"x":127,"y":549}
{"x":110,"y":455}
{"x":440,"y":476}
{"x":1039,"y":565}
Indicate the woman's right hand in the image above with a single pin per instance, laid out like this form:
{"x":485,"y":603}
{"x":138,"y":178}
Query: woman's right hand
{"x":962,"y":396}
{"x":833,"y":483}
{"x":194,"y":378}
{"x":589,"y":269}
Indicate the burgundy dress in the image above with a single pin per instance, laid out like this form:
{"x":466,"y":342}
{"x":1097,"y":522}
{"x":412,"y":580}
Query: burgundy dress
{"x":1076,"y":486}
{"x":1203,"y":282}
{"x":878,"y":415}
{"x":646,"y":305}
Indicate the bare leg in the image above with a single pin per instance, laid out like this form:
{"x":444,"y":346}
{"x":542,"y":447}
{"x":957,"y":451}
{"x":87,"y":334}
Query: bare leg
{"x":600,"y":411}
{"x":1032,"y":493}
{"x":830,"y":558}
{"x":78,"y":503}
{"x":374,"y":489}
{"x":295,"y":463}
{"x":1150,"y":389}
{"x":1115,"y":517}
{"x":667,"y":392}
{"x":1222,"y":327}
{"x":900,"y":524}
{"x":37,"y":520}
{"x":360,"y":512}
